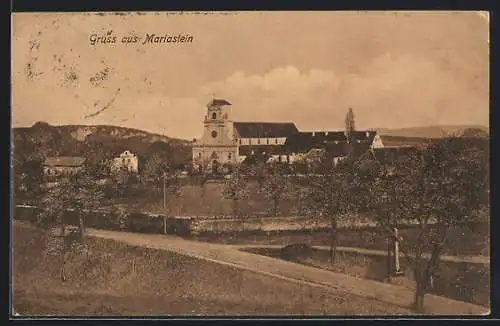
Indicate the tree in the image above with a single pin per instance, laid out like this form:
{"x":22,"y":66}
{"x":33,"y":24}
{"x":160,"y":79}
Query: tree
{"x":235,"y":189}
{"x":172,"y":187}
{"x":122,"y":178}
{"x":275,"y":186}
{"x":435,"y":188}
{"x":350,"y":124}
{"x":154,"y":169}
{"x":78,"y":193}
{"x":332,"y":196}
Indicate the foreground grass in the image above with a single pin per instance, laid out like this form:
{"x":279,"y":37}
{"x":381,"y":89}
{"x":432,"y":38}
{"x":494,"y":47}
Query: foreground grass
{"x":117,"y":279}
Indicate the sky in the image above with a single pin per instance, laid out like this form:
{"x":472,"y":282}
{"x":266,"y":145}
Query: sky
{"x":394,"y":69}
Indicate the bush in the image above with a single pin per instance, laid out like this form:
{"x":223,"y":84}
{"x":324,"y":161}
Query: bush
{"x":144,"y":223}
{"x":296,"y":251}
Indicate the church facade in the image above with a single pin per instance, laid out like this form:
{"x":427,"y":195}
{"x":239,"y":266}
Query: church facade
{"x":225,"y":142}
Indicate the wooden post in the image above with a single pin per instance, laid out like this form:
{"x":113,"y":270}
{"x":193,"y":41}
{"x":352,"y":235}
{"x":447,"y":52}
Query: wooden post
{"x":164,"y":192}
{"x":389,"y":258}
{"x":397,"y":267}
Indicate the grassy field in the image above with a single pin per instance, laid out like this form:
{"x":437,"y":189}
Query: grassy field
{"x":116,"y":279}
{"x":194,"y":200}
{"x":207,"y":200}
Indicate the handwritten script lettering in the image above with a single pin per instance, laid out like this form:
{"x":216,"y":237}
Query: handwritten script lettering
{"x":109,"y":38}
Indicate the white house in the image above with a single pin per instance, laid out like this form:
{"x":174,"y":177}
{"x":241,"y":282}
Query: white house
{"x":126,"y":160}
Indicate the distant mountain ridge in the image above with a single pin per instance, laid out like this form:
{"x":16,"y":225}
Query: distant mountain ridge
{"x":94,"y":142}
{"x":431,"y":131}
{"x":80,"y":132}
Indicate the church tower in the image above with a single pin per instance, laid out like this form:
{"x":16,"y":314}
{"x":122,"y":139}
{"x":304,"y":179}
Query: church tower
{"x":217,"y":147}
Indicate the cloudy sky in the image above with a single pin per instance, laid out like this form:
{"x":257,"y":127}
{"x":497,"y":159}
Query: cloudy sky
{"x":394,"y":69}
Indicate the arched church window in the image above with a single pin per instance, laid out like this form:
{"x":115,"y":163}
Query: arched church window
{"x":229,"y":156}
{"x":214,"y":116}
{"x":276,"y":141}
{"x":214,"y":134}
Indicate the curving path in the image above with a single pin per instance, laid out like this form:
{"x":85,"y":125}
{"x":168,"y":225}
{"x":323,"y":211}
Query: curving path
{"x":230,"y":255}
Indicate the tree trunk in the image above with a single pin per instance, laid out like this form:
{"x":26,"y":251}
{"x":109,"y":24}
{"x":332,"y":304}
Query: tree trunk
{"x":333,"y":242}
{"x":235,"y":207}
{"x":421,"y":288}
{"x":63,"y":229}
{"x":81,"y":227}
{"x":389,"y":259}
{"x":63,"y":265}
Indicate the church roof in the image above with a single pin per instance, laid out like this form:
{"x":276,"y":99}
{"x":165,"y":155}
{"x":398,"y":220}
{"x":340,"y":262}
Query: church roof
{"x":265,"y":129}
{"x":218,"y":102}
{"x":333,"y":141}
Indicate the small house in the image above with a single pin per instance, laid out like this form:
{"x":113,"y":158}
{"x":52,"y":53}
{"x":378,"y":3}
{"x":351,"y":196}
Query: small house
{"x":127,"y":160}
{"x":62,"y":165}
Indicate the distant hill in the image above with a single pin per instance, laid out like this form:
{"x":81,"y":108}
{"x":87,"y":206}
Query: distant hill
{"x":94,"y":142}
{"x":433,"y":131}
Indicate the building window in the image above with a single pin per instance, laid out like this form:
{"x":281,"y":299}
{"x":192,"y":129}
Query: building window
{"x":240,"y":141}
{"x":267,"y":141}
{"x":229,"y":156}
{"x":249,"y":142}
{"x":214,"y":134}
{"x":276,"y":141}
{"x":214,"y":116}
{"x":258,"y":141}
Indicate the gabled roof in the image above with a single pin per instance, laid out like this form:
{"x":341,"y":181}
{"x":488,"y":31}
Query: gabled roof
{"x":334,"y":142}
{"x":64,"y":161}
{"x":265,"y":129}
{"x":218,"y":102}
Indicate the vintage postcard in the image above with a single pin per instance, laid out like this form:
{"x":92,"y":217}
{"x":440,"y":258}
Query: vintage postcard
{"x":250,"y":164}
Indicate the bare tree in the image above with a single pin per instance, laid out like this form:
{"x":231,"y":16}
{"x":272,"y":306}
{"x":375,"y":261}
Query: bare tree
{"x":435,"y":188}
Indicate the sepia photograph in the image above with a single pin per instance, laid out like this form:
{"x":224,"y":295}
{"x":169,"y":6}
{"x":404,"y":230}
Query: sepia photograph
{"x":250,"y":163}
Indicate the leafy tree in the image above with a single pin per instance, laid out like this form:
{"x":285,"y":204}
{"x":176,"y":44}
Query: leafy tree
{"x":275,"y":186}
{"x":172,"y":187}
{"x":332,"y":195}
{"x":78,"y":193}
{"x":236,"y":189}
{"x":122,"y":179}
{"x":154,"y":169}
{"x":435,"y":188}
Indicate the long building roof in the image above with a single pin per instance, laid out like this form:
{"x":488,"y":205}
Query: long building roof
{"x":64,"y":161}
{"x":265,"y":129}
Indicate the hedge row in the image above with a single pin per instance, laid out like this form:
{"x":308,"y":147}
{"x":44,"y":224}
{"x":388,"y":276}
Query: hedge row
{"x":131,"y":222}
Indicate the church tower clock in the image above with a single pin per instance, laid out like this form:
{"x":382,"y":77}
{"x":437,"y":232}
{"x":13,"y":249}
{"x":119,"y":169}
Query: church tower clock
{"x":217,"y":147}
